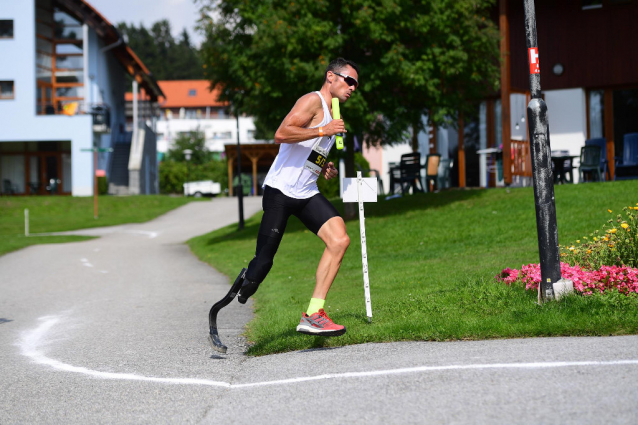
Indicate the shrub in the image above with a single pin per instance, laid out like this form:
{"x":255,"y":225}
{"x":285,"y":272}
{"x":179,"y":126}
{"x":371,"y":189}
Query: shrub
{"x":173,"y":174}
{"x":620,"y":278}
{"x":102,"y":186}
{"x":616,"y":244}
{"x":605,"y":260}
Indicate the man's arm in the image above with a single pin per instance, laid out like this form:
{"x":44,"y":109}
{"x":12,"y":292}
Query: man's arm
{"x":294,"y":128}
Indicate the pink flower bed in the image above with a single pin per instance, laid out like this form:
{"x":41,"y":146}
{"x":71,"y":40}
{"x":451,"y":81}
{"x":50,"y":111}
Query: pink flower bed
{"x":623,"y":279}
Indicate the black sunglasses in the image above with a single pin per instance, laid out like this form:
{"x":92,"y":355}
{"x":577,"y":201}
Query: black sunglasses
{"x":348,"y":79}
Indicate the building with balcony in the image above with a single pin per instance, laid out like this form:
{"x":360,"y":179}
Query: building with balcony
{"x":190,"y":105}
{"x":63,"y":77}
{"x":588,"y":67}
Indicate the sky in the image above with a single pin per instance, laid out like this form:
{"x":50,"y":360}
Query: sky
{"x":180,"y":13}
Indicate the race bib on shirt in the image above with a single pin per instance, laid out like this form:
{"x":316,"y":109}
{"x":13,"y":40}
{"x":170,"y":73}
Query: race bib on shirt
{"x":316,"y":160}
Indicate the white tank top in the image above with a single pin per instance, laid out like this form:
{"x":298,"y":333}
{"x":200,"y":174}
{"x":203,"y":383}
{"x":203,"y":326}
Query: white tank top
{"x":288,"y":174}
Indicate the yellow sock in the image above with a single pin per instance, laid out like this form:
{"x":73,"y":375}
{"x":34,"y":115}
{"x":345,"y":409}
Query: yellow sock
{"x":316,"y":304}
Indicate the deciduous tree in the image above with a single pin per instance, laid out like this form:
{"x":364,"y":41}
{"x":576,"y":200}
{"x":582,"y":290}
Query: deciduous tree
{"x":428,"y":57}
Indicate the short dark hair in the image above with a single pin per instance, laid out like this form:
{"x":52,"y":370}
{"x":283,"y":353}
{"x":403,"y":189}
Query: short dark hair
{"x":337,"y":65}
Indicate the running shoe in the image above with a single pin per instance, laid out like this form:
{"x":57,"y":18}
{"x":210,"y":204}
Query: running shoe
{"x":319,"y":324}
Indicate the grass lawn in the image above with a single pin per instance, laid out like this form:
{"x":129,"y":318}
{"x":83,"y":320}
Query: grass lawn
{"x":432,"y":259}
{"x":62,"y":213}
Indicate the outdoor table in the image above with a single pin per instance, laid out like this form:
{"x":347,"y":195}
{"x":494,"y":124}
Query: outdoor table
{"x":558,"y":159}
{"x":492,"y":168}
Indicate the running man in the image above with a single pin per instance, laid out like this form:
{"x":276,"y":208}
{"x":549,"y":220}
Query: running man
{"x":306,"y":136}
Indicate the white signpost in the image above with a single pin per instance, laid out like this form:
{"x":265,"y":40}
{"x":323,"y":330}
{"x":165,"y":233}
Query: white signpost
{"x":362,"y":190}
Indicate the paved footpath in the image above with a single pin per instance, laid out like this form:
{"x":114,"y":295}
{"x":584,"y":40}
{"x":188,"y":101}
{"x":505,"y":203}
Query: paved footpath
{"x":113,"y":330}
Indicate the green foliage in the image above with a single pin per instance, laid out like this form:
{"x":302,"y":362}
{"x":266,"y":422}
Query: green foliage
{"x":431,"y":259}
{"x":175,"y":170}
{"x":414,"y":56}
{"x":102,"y":186}
{"x":167,"y":58}
{"x":172,"y":174}
{"x":615,"y":245}
{"x":194,"y":141}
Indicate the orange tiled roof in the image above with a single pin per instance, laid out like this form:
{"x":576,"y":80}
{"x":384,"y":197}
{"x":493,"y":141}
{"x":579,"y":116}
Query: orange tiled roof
{"x":177,"y":94}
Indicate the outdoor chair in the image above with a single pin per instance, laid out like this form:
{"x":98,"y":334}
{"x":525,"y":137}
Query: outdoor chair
{"x":8,"y":188}
{"x":410,"y":167}
{"x":443,"y":175}
{"x":432,"y":162}
{"x":590,"y":162}
{"x":604,"y":164}
{"x":628,"y":168}
{"x":395,"y":177}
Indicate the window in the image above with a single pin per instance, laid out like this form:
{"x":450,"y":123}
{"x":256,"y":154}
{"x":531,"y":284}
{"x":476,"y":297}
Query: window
{"x":6,"y":28}
{"x":222,"y":135}
{"x":596,"y":114}
{"x":6,"y":90}
{"x":59,"y":58}
{"x":192,"y":93}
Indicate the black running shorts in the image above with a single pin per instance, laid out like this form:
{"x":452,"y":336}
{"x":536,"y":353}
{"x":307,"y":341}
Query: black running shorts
{"x":313,"y":212}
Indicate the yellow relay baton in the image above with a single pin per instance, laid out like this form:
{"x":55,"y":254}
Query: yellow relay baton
{"x":336,"y":115}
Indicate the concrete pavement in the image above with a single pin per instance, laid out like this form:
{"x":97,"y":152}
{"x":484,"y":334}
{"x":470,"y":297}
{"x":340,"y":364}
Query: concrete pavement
{"x":113,"y":330}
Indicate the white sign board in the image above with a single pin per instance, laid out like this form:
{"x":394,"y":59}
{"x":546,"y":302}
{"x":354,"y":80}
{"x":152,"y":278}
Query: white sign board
{"x":362,"y":190}
{"x":368,"y":190}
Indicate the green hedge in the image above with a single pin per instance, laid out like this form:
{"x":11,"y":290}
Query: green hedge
{"x":172,"y":175}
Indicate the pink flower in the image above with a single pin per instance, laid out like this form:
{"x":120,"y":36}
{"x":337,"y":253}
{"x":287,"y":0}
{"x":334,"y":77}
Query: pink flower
{"x":623,"y":279}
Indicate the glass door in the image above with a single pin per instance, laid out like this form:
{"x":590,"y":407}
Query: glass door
{"x":52,"y":174}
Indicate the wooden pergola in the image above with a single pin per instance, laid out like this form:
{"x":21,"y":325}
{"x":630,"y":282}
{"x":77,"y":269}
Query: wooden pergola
{"x":257,"y":157}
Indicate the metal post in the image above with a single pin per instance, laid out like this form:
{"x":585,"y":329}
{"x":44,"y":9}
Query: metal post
{"x":26,"y":222}
{"x":240,"y":189}
{"x":541,"y":167}
{"x":95,"y":207}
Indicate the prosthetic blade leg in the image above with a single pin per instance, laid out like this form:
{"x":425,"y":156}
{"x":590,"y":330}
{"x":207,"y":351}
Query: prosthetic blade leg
{"x":213,"y":336}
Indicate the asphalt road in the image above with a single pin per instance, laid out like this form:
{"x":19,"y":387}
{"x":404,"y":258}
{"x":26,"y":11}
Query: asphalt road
{"x":113,"y":330}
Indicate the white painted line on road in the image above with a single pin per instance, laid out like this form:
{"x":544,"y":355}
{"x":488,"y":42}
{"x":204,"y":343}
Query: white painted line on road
{"x":151,"y":235}
{"x":32,"y":340}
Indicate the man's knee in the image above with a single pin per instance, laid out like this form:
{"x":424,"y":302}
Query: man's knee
{"x":339,"y":243}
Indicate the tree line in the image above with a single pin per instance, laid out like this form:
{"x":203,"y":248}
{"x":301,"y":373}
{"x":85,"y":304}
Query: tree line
{"x":417,"y":58}
{"x":167,"y":57}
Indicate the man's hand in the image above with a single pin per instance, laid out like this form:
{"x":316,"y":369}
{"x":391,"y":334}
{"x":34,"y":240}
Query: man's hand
{"x":329,"y":171}
{"x":334,"y":127}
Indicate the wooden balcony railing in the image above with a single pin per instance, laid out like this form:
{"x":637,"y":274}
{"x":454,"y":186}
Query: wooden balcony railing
{"x":521,"y":158}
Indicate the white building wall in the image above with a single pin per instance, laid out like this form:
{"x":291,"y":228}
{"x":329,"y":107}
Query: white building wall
{"x":18,"y":119}
{"x":170,"y":129}
{"x":567,"y":116}
{"x":567,"y":119}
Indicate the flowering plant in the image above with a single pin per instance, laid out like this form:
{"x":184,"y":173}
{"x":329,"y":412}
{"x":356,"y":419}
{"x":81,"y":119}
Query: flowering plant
{"x":616,"y":244}
{"x":621,"y":278}
{"x":605,"y":260}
